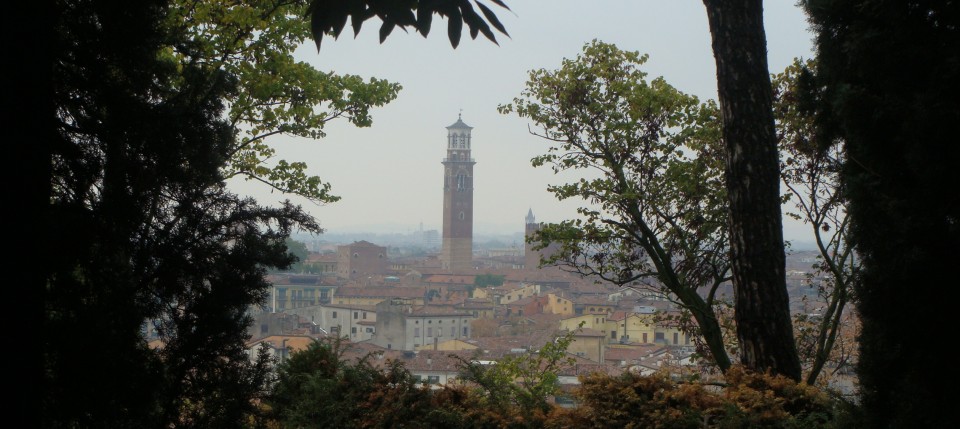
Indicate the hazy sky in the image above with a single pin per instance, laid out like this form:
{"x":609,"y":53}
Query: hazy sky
{"x":390,"y":176}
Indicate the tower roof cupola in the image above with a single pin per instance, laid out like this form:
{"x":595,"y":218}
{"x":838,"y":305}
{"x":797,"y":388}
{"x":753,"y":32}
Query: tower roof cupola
{"x":460,"y":124}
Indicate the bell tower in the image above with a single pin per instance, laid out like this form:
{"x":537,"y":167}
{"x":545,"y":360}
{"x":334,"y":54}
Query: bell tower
{"x":457,"y":248}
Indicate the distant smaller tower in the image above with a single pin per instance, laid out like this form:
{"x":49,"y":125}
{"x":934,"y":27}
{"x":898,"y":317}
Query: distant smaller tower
{"x":531,"y":258}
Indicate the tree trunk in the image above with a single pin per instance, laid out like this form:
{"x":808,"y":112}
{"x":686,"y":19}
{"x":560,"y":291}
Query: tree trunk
{"x":764,"y":328}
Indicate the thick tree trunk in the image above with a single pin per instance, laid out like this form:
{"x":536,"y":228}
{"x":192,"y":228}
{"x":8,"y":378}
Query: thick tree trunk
{"x":762,"y":307}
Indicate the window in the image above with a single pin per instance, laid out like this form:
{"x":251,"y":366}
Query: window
{"x":644,"y":337}
{"x":416,"y":332}
{"x":364,"y":315}
{"x":465,"y":331}
{"x":433,"y":379}
{"x":453,"y":331}
{"x":658,"y":336}
{"x":353,"y":330}
{"x":370,"y":330}
{"x":613,"y":334}
{"x":264,"y":328}
{"x":430,"y":331}
{"x":439,"y":332}
{"x":676,"y":339}
{"x":334,"y":314}
{"x":356,"y":315}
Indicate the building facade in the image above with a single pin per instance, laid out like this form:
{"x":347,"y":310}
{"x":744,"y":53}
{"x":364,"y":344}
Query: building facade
{"x":457,"y":243}
{"x":403,"y":326}
{"x":360,"y":259}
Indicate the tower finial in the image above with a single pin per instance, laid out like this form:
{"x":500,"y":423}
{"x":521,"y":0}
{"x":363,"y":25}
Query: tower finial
{"x":460,"y":115}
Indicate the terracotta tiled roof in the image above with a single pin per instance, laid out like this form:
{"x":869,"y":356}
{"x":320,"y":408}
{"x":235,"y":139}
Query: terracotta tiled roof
{"x":380,"y":292}
{"x":450,"y":278}
{"x":588,"y":332}
{"x":434,"y":310}
{"x":475,"y":304}
{"x":369,"y":308}
{"x":435,"y":360}
{"x":293,"y":342}
{"x":522,"y":302}
{"x":632,"y":353}
{"x":593,"y":300}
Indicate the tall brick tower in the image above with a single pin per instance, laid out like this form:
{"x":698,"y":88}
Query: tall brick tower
{"x":457,"y":253}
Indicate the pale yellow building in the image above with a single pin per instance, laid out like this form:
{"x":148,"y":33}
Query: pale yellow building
{"x":632,"y":328}
{"x":589,"y":343}
{"x":597,"y":322}
{"x":558,"y":305}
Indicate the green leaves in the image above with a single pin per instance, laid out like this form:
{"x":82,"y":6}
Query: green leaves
{"x":651,"y":164}
{"x":330,"y":17}
{"x":523,"y":381}
{"x":254,"y":43}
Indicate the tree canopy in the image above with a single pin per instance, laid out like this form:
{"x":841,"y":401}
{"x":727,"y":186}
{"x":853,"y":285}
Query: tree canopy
{"x":274,"y":94}
{"x":656,"y":212}
{"x":811,"y":169}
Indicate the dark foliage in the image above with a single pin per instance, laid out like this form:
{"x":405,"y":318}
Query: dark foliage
{"x":484,"y":280}
{"x":747,"y":400}
{"x":888,"y":77}
{"x":146,"y":233}
{"x":318,"y":388}
{"x":330,"y":17}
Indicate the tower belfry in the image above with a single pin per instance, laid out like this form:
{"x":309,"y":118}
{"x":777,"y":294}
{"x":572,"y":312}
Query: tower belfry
{"x":457,"y":247}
